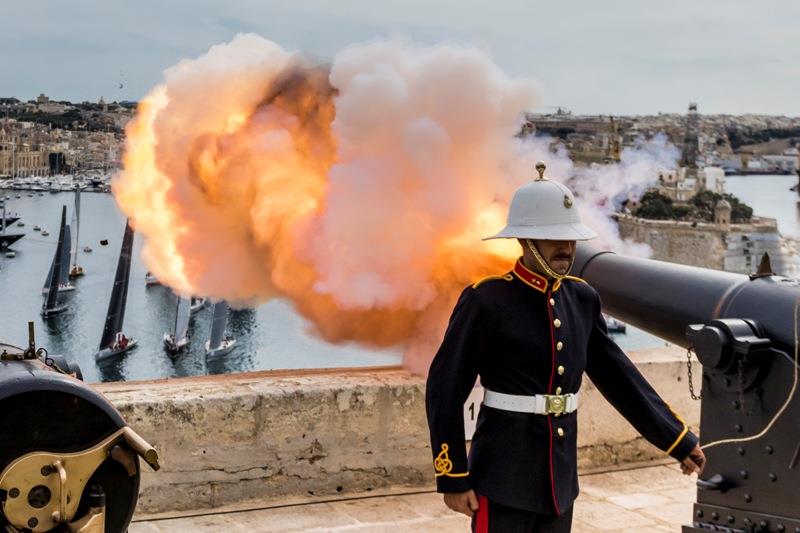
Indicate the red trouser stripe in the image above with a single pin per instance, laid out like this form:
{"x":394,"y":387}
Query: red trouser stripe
{"x":482,"y":516}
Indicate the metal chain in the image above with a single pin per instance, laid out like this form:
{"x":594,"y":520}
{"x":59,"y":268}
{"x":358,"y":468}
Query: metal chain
{"x":689,"y":372}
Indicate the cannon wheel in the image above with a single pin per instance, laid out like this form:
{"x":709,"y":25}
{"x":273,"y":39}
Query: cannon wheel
{"x":60,"y":422}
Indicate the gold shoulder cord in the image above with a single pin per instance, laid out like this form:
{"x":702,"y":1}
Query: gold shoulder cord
{"x":507,"y":277}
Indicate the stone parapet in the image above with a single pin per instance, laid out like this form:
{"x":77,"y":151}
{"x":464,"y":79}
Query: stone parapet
{"x":226,"y":440}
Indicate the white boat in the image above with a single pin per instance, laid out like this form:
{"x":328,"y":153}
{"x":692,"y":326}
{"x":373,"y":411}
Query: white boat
{"x":87,"y":250}
{"x":614,"y":325}
{"x":45,"y":233}
{"x":114,"y":342}
{"x":121,"y":345}
{"x":51,"y":305}
{"x":197,"y":304}
{"x":178,"y":339}
{"x":219,"y":344}
{"x":150,"y":279}
{"x":37,"y":228}
{"x":76,"y":270}
{"x":21,"y":224}
{"x":10,"y":254}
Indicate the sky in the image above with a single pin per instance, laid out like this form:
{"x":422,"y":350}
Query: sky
{"x":611,"y":57}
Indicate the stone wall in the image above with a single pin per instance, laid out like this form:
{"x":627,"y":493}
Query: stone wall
{"x":227,"y":440}
{"x":734,"y":248}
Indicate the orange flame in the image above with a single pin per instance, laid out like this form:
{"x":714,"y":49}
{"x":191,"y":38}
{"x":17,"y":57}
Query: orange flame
{"x":251,"y":177}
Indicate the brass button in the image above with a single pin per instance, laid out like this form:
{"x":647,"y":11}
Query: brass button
{"x":552,"y":301}
{"x":558,"y":390}
{"x":560,"y":432}
{"x":559,"y":346}
{"x":561,"y":370}
{"x":557,"y":323}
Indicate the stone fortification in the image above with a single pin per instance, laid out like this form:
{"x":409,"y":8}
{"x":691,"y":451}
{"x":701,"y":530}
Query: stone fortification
{"x":227,"y":440}
{"x":731,"y":247}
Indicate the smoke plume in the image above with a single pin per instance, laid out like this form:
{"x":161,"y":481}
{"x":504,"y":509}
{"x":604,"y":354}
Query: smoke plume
{"x":359,"y":190}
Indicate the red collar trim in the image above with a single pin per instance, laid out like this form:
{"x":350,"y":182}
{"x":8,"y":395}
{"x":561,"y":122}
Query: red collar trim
{"x":529,"y":277}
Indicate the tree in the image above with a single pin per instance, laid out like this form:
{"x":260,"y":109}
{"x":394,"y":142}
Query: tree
{"x":655,"y":205}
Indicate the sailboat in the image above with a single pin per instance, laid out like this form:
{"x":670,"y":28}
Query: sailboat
{"x":115,"y":342}
{"x":51,"y":305}
{"x":197,"y":304}
{"x":76,"y":270}
{"x":63,"y":284}
{"x":7,"y":239}
{"x":219,"y":343}
{"x":179,"y":338}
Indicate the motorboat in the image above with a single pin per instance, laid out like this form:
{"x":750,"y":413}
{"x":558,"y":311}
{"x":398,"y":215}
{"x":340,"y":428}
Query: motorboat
{"x":615,"y":326}
{"x":150,"y":279}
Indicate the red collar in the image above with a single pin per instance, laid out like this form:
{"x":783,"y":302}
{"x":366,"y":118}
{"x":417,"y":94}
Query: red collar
{"x":531,"y":278}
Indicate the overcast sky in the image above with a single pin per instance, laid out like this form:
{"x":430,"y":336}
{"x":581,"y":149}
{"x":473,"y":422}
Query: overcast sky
{"x":636,"y":57}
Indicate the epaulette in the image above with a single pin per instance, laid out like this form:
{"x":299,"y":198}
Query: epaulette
{"x":575,"y":278}
{"x":507,"y":277}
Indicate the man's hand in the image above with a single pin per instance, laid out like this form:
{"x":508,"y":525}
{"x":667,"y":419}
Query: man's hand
{"x":462,"y":502}
{"x":695,"y":462}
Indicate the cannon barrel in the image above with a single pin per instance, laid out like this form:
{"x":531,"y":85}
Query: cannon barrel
{"x":664,"y":298}
{"x":742,"y":329}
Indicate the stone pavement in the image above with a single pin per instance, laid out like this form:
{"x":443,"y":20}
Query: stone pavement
{"x":651,"y":498}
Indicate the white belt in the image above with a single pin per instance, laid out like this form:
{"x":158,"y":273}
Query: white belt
{"x":540,"y":404}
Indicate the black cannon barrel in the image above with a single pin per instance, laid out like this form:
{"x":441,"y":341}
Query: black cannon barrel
{"x":664,"y":298}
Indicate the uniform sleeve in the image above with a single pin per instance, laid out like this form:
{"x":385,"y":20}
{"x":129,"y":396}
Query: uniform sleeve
{"x":621,"y":383}
{"x":450,"y":380}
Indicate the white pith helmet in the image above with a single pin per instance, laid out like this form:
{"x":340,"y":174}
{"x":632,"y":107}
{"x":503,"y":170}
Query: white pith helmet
{"x":544,"y":209}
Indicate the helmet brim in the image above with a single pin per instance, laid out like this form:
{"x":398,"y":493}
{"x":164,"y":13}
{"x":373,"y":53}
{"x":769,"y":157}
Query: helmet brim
{"x":547,"y":232}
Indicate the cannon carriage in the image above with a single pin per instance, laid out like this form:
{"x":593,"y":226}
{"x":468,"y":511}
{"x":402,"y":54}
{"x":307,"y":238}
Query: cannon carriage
{"x":744,"y":331}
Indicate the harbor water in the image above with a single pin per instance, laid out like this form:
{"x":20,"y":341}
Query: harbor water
{"x":273,"y":336}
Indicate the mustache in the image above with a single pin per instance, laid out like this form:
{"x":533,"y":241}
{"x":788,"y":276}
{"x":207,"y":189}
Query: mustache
{"x":562,"y":256}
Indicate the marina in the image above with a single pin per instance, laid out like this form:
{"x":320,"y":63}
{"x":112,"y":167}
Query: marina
{"x":273,"y":336}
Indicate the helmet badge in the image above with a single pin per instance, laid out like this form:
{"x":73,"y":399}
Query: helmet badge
{"x":567,"y":201}
{"x":540,"y":167}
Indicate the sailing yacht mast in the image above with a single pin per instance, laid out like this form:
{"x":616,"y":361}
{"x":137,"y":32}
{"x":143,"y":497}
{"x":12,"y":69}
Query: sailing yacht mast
{"x":113,"y":341}
{"x":51,"y":305}
{"x":219,"y":344}
{"x":76,"y":270}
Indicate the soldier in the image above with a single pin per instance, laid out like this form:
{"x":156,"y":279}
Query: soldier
{"x":530,"y":334}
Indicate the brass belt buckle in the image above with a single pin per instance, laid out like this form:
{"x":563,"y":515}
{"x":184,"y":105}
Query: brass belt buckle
{"x":555,"y":404}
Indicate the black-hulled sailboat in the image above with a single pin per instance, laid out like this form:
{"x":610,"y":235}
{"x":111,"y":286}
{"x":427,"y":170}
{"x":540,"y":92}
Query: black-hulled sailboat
{"x":7,"y":239}
{"x":63,"y":281}
{"x":76,"y":270}
{"x":51,"y":305}
{"x":219,"y":344}
{"x":115,"y":342}
{"x":179,"y":338}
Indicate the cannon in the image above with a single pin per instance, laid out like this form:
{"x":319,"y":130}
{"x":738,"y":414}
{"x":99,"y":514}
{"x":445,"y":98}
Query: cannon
{"x":744,"y":330}
{"x":68,"y":460}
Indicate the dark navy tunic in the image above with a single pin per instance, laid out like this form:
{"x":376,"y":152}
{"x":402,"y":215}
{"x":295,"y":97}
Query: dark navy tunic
{"x":522,"y":335}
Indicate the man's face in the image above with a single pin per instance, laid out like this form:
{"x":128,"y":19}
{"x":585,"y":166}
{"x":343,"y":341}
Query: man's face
{"x":558,"y":254}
